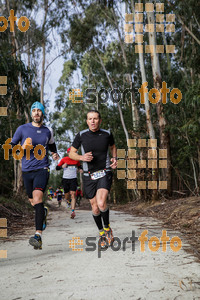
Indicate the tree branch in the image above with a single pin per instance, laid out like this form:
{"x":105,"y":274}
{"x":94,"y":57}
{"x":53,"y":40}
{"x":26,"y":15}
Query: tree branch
{"x":54,"y":60}
{"x":181,"y":21}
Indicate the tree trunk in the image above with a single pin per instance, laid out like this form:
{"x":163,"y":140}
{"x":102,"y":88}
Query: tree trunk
{"x":19,"y":187}
{"x":81,"y":181}
{"x":43,"y":73}
{"x":148,"y":118}
{"x":193,"y":167}
{"x":111,"y":85}
{"x":114,"y":193}
{"x":198,"y":151}
{"x":18,"y":182}
{"x":43,"y":52}
{"x":135,"y":114}
{"x":164,"y":136}
{"x":29,"y":66}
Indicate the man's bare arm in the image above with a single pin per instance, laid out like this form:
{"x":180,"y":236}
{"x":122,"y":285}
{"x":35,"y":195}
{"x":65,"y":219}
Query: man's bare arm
{"x":75,"y":156}
{"x":113,"y":150}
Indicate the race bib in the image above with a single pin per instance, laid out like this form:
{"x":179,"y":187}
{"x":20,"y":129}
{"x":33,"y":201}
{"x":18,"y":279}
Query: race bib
{"x":71,"y":167}
{"x":97,"y":175}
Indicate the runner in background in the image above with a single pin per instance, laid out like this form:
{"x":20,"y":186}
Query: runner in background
{"x":50,"y":193}
{"x":59,"y":196}
{"x":63,"y":194}
{"x":69,"y":181}
{"x":79,"y":195}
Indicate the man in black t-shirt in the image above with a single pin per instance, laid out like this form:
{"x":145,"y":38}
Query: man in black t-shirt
{"x":97,"y":175}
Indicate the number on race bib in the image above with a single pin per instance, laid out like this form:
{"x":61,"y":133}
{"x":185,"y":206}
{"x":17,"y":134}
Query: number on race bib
{"x":98,"y":174}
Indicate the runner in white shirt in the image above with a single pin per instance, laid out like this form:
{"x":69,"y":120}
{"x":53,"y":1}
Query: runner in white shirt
{"x":69,"y":181}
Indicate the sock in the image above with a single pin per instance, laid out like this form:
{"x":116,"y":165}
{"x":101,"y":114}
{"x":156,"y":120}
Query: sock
{"x":98,"y":221}
{"x":105,"y":217}
{"x":38,"y":233}
{"x":39,"y":216}
{"x":72,"y":210}
{"x":101,"y":232}
{"x":107,"y":228}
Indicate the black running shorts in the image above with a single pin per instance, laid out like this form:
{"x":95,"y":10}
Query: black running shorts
{"x":35,"y":180}
{"x":70,"y":184}
{"x":59,"y":197}
{"x":91,"y":186}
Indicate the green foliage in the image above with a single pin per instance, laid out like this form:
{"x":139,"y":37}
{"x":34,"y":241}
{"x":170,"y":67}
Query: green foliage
{"x":87,"y":28}
{"x":55,"y":179}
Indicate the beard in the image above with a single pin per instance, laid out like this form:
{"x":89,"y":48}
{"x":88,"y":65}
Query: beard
{"x":38,"y":120}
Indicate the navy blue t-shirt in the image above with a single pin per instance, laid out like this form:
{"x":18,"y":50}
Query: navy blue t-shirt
{"x":40,"y":136}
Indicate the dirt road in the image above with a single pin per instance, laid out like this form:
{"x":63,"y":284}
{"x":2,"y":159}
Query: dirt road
{"x":58,"y":272}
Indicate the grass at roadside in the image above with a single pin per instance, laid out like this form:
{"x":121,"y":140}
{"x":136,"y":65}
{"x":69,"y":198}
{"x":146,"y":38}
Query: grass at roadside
{"x":18,"y":212}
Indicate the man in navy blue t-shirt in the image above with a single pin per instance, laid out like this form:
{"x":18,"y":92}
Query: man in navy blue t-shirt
{"x":36,"y":139}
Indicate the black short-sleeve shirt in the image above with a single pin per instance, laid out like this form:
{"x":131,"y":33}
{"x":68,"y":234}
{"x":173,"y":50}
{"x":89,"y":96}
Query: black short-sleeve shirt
{"x":98,"y":143}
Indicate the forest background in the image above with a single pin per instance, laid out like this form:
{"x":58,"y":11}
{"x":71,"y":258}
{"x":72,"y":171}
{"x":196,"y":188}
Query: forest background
{"x":92,"y":44}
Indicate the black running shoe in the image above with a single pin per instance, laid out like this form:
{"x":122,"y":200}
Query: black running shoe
{"x":36,"y":241}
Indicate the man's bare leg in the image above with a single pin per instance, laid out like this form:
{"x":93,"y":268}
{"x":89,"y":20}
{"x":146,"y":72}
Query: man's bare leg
{"x":101,"y":197}
{"x":73,"y":203}
{"x":67,"y":198}
{"x":73,"y":197}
